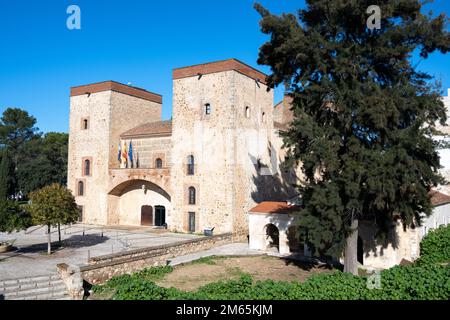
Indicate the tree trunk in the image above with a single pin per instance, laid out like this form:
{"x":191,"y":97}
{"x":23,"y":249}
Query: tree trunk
{"x":49,"y":243}
{"x":351,"y":250}
{"x":59,"y":234}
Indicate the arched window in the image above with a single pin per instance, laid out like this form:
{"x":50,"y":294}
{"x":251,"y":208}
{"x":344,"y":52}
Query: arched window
{"x":263,"y":117}
{"x":87,"y":167}
{"x":80,"y":188}
{"x":190,"y":165}
{"x":247,"y":112}
{"x":191,"y":195}
{"x":207,"y":109}
{"x":85,"y":124}
{"x":158,"y":163}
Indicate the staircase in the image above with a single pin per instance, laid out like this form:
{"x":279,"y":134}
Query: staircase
{"x":49,"y":287}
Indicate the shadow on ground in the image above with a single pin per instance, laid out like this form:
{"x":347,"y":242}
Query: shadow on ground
{"x":307,"y":265}
{"x":73,"y":242}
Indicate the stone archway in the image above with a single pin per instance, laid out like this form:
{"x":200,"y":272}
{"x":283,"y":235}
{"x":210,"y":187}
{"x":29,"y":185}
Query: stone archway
{"x":272,"y":237}
{"x":135,"y":203}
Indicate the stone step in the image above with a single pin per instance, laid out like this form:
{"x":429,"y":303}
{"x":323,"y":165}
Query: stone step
{"x":43,"y":296}
{"x":60,"y":288}
{"x":30,"y":285}
{"x":5,"y":283}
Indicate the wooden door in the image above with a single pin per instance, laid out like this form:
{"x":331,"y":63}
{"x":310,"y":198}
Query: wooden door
{"x":146,"y":216}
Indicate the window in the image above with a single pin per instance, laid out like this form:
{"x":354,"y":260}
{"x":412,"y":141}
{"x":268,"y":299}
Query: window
{"x":207,"y":109}
{"x":85,"y":124}
{"x":247,"y":112}
{"x":263,"y":117}
{"x":190,"y":166}
{"x":80,"y":188}
{"x":87,"y":167}
{"x":80,"y":214}
{"x":191,"y":195}
{"x":158,"y":163}
{"x":191,"y":221}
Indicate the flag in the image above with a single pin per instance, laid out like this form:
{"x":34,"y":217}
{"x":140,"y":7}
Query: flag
{"x":119,"y":154}
{"x":137,"y":159}
{"x":130,"y":154}
{"x":124,"y":154}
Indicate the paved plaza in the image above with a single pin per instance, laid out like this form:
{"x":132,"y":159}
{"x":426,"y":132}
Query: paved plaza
{"x":79,"y":243}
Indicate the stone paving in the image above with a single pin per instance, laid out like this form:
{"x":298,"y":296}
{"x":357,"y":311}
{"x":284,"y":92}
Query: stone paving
{"x":79,"y":243}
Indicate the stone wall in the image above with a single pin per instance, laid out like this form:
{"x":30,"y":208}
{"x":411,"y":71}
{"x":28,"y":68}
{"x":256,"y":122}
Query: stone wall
{"x":147,"y":150}
{"x":226,"y":145}
{"x":109,"y":113}
{"x":102,"y":268}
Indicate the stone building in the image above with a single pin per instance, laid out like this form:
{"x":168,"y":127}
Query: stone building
{"x":273,"y":224}
{"x":215,"y":165}
{"x":218,"y":156}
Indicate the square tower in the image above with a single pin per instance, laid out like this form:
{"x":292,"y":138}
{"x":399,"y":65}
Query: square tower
{"x":222,"y":127}
{"x":99,"y":113}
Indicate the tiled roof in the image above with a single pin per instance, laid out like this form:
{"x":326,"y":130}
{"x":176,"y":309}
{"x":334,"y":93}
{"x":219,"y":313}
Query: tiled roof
{"x":117,"y":87}
{"x":219,"y":66}
{"x":158,"y":128}
{"x":273,"y":207}
{"x":438,"y":198}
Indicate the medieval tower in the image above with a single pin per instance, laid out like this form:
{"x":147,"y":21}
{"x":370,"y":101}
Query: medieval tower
{"x":204,"y":169}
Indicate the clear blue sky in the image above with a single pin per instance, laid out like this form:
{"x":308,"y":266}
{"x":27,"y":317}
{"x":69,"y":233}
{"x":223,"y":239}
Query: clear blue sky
{"x":137,"y":41}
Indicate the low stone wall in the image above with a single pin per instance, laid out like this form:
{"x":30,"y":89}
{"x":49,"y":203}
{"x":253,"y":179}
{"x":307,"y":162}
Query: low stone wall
{"x":102,"y":268}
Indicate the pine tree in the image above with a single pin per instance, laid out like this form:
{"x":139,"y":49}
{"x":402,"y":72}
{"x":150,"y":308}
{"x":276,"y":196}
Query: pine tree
{"x":363,"y":115}
{"x":5,"y":175}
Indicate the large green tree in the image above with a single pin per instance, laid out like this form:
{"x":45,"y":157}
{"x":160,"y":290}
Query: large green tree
{"x":364,"y":115}
{"x":13,"y":217}
{"x":43,"y":161}
{"x":53,"y":205}
{"x":6,"y":175}
{"x":17,"y":127}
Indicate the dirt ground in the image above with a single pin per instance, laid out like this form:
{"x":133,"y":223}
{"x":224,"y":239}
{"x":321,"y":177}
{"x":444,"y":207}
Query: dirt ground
{"x":194,"y":275}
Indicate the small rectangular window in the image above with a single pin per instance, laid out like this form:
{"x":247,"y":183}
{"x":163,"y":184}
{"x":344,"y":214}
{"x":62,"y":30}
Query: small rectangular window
{"x":207,"y":109}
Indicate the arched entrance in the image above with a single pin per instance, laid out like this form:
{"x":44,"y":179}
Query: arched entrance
{"x":146,"y":216}
{"x":360,"y":251}
{"x":272,"y":237}
{"x":160,"y":216}
{"x":139,"y":203}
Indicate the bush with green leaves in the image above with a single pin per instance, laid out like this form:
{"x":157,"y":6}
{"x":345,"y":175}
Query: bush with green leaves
{"x":412,"y":282}
{"x":435,"y":246}
{"x":13,"y":217}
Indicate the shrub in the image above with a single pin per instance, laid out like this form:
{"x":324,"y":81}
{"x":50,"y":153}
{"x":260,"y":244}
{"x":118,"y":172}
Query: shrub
{"x":435,"y":246}
{"x":412,"y":282}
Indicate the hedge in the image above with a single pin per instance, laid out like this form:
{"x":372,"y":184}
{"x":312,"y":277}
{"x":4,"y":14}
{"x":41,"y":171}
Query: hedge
{"x":435,"y":246}
{"x":427,"y":279}
{"x":411,"y":282}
